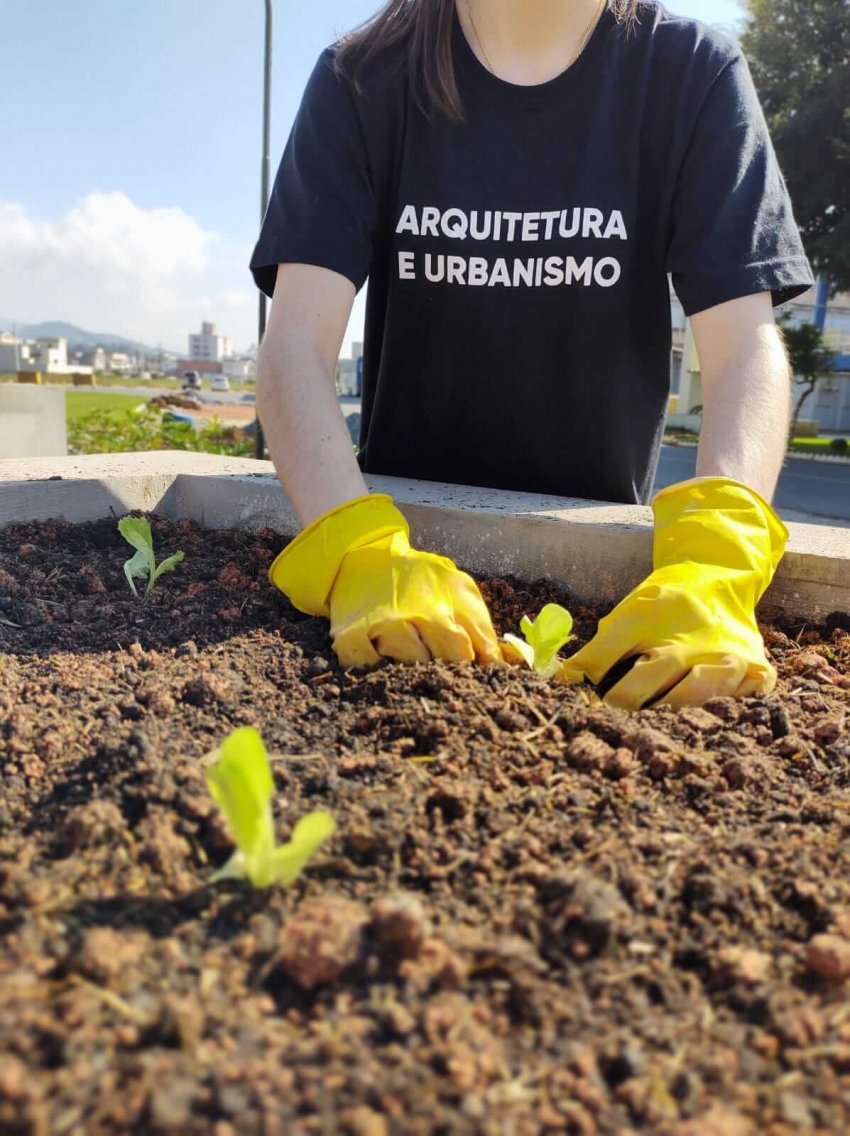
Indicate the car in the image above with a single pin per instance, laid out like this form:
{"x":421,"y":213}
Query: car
{"x":219,"y":383}
{"x":191,"y":381}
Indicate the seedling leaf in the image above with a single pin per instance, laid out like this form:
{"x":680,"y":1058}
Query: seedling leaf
{"x":241,"y":784}
{"x":137,"y":532}
{"x":136,"y":568}
{"x":544,"y":637}
{"x":308,"y":836}
{"x":168,"y":565}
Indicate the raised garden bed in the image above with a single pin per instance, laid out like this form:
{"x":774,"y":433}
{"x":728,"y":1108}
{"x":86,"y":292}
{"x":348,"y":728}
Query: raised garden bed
{"x":539,"y":914}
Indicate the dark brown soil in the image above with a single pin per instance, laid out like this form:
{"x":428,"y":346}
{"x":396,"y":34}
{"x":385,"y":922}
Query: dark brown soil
{"x":539,"y":914}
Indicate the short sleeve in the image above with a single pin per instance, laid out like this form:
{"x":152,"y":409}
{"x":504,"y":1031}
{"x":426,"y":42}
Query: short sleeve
{"x":733,"y":231}
{"x":322,"y":207}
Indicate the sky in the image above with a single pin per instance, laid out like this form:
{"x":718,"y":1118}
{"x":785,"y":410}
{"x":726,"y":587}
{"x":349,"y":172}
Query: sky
{"x":131,"y":155}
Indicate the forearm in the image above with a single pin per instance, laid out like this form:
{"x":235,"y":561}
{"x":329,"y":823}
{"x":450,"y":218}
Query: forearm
{"x":306,"y":433}
{"x":745,"y":414}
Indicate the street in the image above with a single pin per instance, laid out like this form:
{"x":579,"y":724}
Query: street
{"x":811,"y":492}
{"x":819,"y":489}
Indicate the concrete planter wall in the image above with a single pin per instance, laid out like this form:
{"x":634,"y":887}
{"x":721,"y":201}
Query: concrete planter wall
{"x":599,"y":550}
{"x":32,"y":421}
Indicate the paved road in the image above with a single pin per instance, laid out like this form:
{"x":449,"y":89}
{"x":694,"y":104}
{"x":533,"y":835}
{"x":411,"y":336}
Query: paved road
{"x":810,"y":491}
{"x":821,"y":489}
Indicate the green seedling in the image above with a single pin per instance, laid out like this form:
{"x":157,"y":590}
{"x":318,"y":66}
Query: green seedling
{"x":544,"y":637}
{"x":242,"y":786}
{"x":137,"y":532}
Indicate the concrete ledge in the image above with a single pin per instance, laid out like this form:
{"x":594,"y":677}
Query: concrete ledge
{"x":598,"y":550}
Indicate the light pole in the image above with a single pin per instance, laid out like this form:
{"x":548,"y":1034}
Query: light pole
{"x":259,"y":441}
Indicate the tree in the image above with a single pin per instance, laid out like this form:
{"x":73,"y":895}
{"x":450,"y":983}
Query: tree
{"x":809,"y":359}
{"x":799,"y":56}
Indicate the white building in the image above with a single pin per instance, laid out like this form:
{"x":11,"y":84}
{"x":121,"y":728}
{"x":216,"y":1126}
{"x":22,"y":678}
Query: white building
{"x":209,"y":345}
{"x":677,"y":340}
{"x":239,"y":367}
{"x":95,"y":358}
{"x":120,"y":363}
{"x":349,"y":372}
{"x":828,"y":405}
{"x":49,"y":356}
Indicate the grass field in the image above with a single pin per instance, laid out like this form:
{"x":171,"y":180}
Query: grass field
{"x":79,"y":403}
{"x":132,"y":381}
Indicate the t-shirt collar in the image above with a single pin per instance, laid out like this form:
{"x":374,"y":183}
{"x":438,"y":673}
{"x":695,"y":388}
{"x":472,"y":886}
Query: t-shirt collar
{"x":469,"y":68}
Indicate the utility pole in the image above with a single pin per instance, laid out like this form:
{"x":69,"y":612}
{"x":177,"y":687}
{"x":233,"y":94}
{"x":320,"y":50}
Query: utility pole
{"x":260,"y":441}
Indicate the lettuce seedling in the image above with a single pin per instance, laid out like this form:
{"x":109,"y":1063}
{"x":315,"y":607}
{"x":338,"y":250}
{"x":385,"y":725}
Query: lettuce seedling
{"x":137,"y":532}
{"x":241,"y":784}
{"x":544,"y":637}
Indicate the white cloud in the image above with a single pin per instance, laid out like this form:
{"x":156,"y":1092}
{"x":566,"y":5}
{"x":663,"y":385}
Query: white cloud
{"x":110,"y":266}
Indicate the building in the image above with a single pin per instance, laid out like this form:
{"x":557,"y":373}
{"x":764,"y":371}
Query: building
{"x":239,"y":367}
{"x":678,"y":323}
{"x":120,"y":363}
{"x":685,"y":406}
{"x":13,"y":353}
{"x":95,"y":358}
{"x":829,"y":403}
{"x":202,"y":366}
{"x":209,"y":345}
{"x":48,"y":356}
{"x":349,"y":373}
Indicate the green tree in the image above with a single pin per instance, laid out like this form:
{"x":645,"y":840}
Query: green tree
{"x":809,"y":359}
{"x":799,"y":55}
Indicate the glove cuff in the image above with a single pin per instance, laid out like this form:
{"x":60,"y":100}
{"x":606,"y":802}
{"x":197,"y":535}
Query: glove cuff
{"x":716,"y":520}
{"x":306,"y":569}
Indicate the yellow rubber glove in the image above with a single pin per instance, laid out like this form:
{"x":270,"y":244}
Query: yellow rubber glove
{"x":691,"y":624}
{"x":384,"y":598}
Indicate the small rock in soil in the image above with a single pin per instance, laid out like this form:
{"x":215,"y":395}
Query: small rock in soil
{"x":104,"y":953}
{"x":204,"y":691}
{"x":742,"y":964}
{"x":829,"y":956}
{"x":317,"y":944}
{"x":400,"y":925}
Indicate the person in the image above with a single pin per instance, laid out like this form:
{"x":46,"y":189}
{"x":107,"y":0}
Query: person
{"x":520,"y":180}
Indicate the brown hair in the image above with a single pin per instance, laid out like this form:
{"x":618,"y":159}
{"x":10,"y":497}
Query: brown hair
{"x":426,"y":27}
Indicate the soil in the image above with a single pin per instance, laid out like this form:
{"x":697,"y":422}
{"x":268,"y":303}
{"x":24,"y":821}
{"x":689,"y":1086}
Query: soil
{"x":539,"y":914}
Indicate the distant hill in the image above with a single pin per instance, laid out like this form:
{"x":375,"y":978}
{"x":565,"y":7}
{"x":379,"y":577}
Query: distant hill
{"x":77,"y":337}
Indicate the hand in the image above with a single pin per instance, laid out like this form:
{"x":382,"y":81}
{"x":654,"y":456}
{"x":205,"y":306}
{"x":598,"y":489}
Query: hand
{"x":384,"y":598}
{"x":691,"y":626}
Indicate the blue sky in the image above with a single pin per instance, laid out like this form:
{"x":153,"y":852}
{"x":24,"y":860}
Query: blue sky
{"x":129,"y":189}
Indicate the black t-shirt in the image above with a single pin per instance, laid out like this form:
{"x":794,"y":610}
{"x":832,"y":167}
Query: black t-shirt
{"x":518,"y":314}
